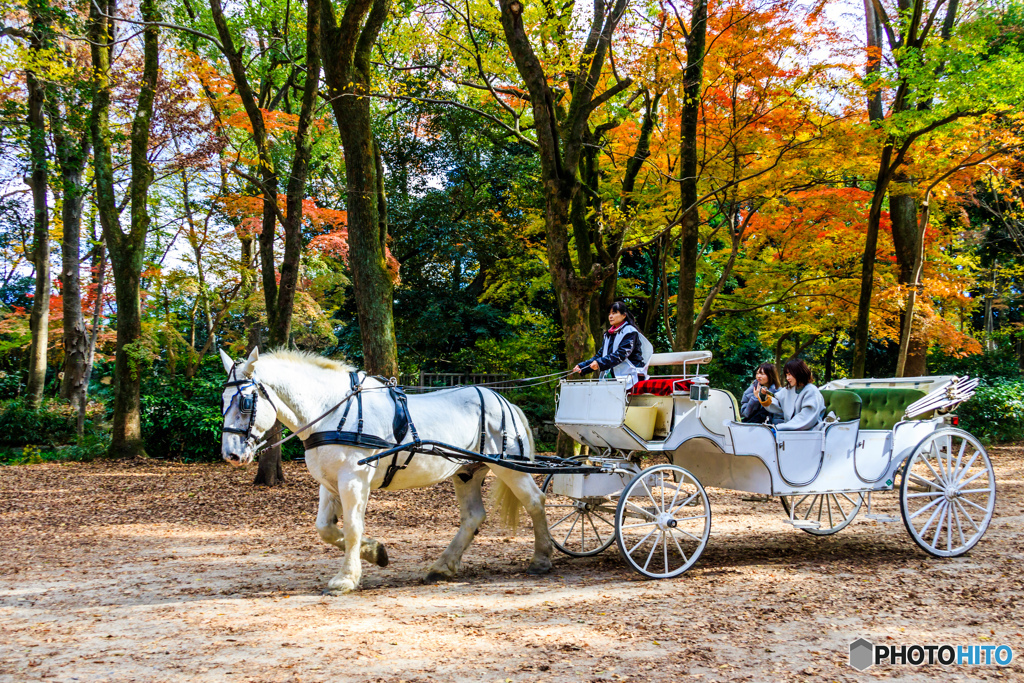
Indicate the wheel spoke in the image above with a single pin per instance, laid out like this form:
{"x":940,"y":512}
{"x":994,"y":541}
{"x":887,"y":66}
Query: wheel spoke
{"x":828,"y":503}
{"x":963,"y":491}
{"x":966,"y":467}
{"x":921,"y":481}
{"x":934,"y":502}
{"x":574,"y":512}
{"x":600,"y":541}
{"x":971,"y":502}
{"x":653,"y":548}
{"x":640,"y":542}
{"x":611,"y":524}
{"x":938,"y":526}
{"x":929,"y":493}
{"x":571,"y":528}
{"x":955,"y":472}
{"x":687,"y":533}
{"x":835,"y":499}
{"x":973,"y":477}
{"x":640,"y":509}
{"x":966,"y":514}
{"x":683,"y":504}
{"x":635,"y":526}
{"x":678,"y":547}
{"x":935,"y":515}
{"x":959,"y":527}
{"x":687,"y":519}
{"x":938,"y":458}
{"x":650,"y":496}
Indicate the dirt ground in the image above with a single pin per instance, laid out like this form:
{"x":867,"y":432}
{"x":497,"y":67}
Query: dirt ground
{"x":147,"y":571}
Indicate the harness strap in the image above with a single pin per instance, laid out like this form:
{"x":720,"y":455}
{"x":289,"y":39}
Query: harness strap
{"x":515,"y":425}
{"x":483,"y":431}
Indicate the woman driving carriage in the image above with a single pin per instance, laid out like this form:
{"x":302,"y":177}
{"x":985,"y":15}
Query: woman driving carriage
{"x":621,"y":352}
{"x":800,"y":403}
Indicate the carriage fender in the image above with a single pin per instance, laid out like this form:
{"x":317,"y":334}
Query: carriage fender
{"x":904,"y":454}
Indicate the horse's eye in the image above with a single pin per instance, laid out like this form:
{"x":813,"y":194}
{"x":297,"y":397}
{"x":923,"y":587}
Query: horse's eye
{"x":246,"y":403}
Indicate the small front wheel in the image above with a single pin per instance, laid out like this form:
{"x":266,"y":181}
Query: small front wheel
{"x":579,"y":527}
{"x":822,"y":514}
{"x":663,"y":521}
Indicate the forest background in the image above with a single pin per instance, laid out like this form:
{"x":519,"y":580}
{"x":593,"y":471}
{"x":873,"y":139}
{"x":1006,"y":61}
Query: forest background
{"x":465,"y":187}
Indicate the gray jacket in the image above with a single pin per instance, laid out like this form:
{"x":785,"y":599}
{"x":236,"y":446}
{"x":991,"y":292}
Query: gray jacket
{"x":801,"y":409}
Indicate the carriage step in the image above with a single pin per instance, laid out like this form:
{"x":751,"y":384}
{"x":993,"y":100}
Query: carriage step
{"x":882,"y":518}
{"x":804,"y":523}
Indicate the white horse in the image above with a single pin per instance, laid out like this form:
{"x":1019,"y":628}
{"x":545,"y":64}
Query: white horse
{"x":296,"y":388}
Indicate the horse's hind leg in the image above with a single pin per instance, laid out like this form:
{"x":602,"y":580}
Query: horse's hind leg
{"x":353,"y":491}
{"x":370,"y":550}
{"x":471,"y":513}
{"x":526,"y":490}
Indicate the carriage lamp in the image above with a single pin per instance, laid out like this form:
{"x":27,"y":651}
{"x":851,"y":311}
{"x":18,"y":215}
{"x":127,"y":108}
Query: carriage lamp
{"x":699,"y":389}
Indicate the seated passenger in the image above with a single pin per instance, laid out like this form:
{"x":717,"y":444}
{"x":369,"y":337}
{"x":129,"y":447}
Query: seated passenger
{"x":751,"y":410}
{"x":621,"y":354}
{"x":800,"y":403}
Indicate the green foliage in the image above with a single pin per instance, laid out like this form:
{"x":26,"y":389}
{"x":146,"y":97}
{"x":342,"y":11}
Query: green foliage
{"x":996,"y":411}
{"x":52,"y":424}
{"x":1000,"y":364}
{"x":48,"y":434}
{"x":181,"y":418}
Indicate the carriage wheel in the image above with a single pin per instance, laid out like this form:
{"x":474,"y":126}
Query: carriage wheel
{"x":832,"y":511}
{"x":663,"y":521}
{"x":579,"y":527}
{"x":948,"y":493}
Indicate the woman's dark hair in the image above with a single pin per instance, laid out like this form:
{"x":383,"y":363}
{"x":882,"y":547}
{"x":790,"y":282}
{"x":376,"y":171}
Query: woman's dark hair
{"x":798,"y":368}
{"x":769,"y":370}
{"x":620,"y":307}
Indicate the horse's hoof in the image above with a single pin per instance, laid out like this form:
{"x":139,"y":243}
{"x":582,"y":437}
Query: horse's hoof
{"x":381,"y":559}
{"x":434,"y":577}
{"x":341,"y":586}
{"x":539,"y":569}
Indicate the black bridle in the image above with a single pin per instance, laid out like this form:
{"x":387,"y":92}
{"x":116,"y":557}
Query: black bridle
{"x":247,"y":403}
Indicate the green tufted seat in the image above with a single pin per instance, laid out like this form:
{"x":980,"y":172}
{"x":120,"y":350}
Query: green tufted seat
{"x":845,"y":404}
{"x":883,"y":408}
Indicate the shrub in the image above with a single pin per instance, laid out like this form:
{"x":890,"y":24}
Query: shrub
{"x":996,"y":412}
{"x":52,"y":424}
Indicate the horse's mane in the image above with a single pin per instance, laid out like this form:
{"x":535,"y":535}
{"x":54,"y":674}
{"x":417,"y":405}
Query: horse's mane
{"x":307,"y":358}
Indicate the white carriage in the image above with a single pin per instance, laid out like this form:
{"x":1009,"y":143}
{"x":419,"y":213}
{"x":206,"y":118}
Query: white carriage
{"x":887,"y":434}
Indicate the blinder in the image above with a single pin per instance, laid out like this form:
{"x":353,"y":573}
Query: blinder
{"x":246,"y":403}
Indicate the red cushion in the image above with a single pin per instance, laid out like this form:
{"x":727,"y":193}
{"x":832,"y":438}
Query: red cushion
{"x":660,"y":386}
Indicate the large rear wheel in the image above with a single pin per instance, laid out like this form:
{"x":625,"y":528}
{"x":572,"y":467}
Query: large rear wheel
{"x":948,"y":493}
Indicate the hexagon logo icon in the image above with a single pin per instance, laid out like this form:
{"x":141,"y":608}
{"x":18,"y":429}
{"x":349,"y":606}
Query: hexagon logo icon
{"x":861,"y":654}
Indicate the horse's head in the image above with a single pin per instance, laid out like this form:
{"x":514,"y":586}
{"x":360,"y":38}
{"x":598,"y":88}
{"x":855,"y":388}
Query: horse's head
{"x":246,"y":417}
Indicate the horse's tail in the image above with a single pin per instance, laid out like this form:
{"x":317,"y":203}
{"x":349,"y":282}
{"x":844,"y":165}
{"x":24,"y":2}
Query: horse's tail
{"x":506,"y":505}
{"x":531,"y":448}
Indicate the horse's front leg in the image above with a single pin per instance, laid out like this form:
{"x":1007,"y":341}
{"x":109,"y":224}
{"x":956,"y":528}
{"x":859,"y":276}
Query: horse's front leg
{"x":471,"y":516}
{"x":353,"y":491}
{"x":526,"y":490}
{"x":327,"y":516}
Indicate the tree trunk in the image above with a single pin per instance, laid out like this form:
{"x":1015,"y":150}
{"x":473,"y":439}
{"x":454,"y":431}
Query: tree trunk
{"x":867,"y":274}
{"x":72,"y":156}
{"x":268,"y":175}
{"x":346,"y":51}
{"x":906,"y":239}
{"x":281,"y":329}
{"x":39,"y":319}
{"x":126,"y":250}
{"x":689,"y":119}
{"x":270,"y":471}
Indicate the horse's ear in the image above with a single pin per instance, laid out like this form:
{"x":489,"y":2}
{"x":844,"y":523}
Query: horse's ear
{"x":250,"y":361}
{"x":226,"y":359}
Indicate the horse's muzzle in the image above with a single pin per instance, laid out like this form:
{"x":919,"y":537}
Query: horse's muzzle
{"x":238,"y":460}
